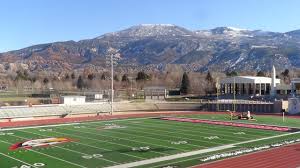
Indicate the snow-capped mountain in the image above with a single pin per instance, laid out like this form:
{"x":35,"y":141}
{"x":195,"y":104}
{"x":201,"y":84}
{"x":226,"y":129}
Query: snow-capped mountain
{"x":151,"y":30}
{"x":156,"y":45}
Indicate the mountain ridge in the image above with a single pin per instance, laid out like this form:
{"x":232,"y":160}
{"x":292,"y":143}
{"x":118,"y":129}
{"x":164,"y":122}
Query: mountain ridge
{"x":157,"y":45}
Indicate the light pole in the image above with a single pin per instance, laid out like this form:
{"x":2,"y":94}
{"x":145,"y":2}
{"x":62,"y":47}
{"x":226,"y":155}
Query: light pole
{"x":112,"y":83}
{"x":131,"y":93}
{"x":234,"y":101}
{"x":112,"y":53}
{"x":218,"y":87}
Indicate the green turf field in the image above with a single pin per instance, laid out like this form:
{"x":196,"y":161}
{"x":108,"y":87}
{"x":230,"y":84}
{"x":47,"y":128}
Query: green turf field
{"x":118,"y":142}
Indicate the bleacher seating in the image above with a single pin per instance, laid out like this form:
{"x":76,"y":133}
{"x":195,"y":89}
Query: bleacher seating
{"x":39,"y":111}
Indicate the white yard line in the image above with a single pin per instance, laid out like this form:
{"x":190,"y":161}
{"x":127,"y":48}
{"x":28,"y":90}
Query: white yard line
{"x":83,"y":144}
{"x":74,"y":151}
{"x":146,"y":137}
{"x":187,"y":154}
{"x":57,"y":158}
{"x":152,"y":144}
{"x":118,"y":144}
{"x":220,"y":128}
{"x":175,"y":131}
{"x":17,"y":160}
{"x":50,"y":156}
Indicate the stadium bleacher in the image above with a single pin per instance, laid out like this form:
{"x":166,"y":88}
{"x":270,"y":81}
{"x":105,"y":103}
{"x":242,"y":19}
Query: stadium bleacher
{"x":88,"y":108}
{"x":56,"y":110}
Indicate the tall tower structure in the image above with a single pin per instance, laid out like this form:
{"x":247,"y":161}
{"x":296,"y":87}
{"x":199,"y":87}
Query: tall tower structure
{"x":273,"y":84}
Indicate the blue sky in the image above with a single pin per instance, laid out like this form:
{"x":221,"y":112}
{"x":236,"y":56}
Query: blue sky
{"x":28,"y":22}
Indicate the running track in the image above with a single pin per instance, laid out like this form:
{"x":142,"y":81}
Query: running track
{"x":283,"y":157}
{"x":38,"y":122}
{"x":106,"y":117}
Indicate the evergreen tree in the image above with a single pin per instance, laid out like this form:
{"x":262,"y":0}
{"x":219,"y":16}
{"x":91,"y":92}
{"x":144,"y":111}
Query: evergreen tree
{"x":22,"y":75}
{"x":103,"y":77}
{"x":45,"y":81}
{"x":185,"y":84}
{"x":211,"y":85}
{"x":91,"y":76}
{"x":125,"y":78}
{"x":73,"y":75}
{"x":286,"y":76}
{"x":285,"y":73}
{"x":80,"y":83}
{"x":209,"y":77}
{"x":67,"y":77}
{"x":116,"y":78}
{"x":142,"y":76}
{"x":32,"y":79}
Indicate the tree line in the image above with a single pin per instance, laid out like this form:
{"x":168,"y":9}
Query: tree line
{"x":172,"y":78}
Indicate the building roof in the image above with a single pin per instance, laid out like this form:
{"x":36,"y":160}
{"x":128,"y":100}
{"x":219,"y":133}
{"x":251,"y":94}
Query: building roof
{"x":249,"y":79}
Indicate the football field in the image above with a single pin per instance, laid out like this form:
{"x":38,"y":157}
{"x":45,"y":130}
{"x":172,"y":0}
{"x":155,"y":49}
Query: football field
{"x":136,"y":142}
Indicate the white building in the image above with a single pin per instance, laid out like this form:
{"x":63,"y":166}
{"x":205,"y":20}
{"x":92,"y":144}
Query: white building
{"x":248,"y":85}
{"x":72,"y":100}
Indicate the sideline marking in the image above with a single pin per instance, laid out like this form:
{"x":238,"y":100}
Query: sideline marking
{"x":192,"y":153}
{"x":73,"y":123}
{"x":171,"y":157}
{"x":41,"y":126}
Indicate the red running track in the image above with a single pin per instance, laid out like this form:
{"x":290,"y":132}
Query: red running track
{"x":283,"y":157}
{"x":50,"y":121}
{"x":225,"y":123}
{"x":105,"y":117}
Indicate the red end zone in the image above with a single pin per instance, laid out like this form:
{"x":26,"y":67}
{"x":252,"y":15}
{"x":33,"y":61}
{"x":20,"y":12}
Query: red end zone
{"x":234,"y":124}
